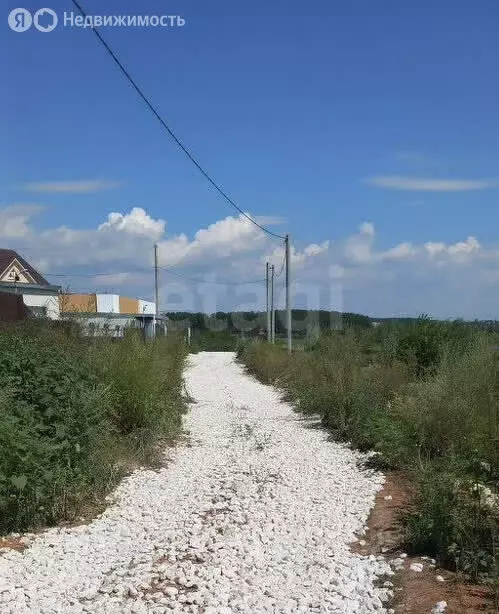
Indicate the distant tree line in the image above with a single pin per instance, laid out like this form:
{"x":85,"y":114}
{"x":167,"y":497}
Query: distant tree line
{"x":254,"y":322}
{"x":303,"y":321}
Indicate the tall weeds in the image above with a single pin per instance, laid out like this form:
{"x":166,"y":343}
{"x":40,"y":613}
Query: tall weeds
{"x":75,"y":413}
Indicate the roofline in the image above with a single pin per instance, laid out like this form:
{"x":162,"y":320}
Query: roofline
{"x":38,"y":288}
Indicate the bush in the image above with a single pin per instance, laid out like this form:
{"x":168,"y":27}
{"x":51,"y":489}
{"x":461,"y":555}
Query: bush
{"x":51,"y":425}
{"x":143,"y":383}
{"x":450,"y":414}
{"x":456,"y":520}
{"x":74,"y":413}
{"x":214,"y":341}
{"x":423,"y":343}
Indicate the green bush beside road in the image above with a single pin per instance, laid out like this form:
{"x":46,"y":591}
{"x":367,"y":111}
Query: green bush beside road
{"x":76,"y":414}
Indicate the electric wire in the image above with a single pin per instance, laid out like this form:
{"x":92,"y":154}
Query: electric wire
{"x":282,"y":266}
{"x":171,"y":271}
{"x":207,"y":281}
{"x":170,"y":132}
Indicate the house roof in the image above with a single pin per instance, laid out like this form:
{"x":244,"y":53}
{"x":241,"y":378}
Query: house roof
{"x":7,"y":257}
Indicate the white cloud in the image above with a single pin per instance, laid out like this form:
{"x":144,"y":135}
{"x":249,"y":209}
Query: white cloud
{"x":367,"y":229}
{"x":401,"y":277}
{"x":219,"y":241}
{"x":464,"y":247}
{"x":315,"y":250}
{"x":462,"y":250}
{"x":358,"y":247}
{"x":71,"y":187}
{"x":401,"y":251}
{"x":136,"y":222}
{"x":395,"y":182}
{"x":434,"y":249}
{"x":297,"y":258}
{"x":14,"y":220}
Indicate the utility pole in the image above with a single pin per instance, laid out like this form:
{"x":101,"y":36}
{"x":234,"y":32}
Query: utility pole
{"x":156,"y":285}
{"x":269,"y":330}
{"x":272,"y":309}
{"x":288,"y":297}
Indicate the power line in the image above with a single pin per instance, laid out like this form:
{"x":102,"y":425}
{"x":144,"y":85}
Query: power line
{"x":91,"y":275}
{"x":282,"y":266}
{"x":171,"y":271}
{"x":170,"y":132}
{"x":207,"y":281}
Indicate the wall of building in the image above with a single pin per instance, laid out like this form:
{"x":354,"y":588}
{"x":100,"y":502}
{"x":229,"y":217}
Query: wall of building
{"x":12,"y":308}
{"x":50,"y":303}
{"x":78,"y":303}
{"x":129,"y":305}
{"x":108,"y":303}
{"x":147,"y":307}
{"x":105,"y":303}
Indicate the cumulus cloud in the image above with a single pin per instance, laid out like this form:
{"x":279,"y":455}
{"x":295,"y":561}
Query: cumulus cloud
{"x":360,"y":271}
{"x":71,"y":187}
{"x":136,"y":222}
{"x":14,"y":220}
{"x":367,"y":229}
{"x":415,"y":184}
{"x":399,"y":252}
{"x":359,"y":249}
{"x":297,"y":258}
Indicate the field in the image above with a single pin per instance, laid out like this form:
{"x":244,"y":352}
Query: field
{"x":424,"y":396}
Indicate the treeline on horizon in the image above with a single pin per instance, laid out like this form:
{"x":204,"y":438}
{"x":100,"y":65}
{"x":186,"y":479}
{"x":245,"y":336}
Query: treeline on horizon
{"x":303,"y":321}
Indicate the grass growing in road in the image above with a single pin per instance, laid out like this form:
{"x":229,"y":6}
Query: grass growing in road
{"x":75,"y":414}
{"x":425,"y":396}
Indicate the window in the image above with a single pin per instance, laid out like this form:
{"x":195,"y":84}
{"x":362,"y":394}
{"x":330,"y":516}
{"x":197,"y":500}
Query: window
{"x":39,"y":312}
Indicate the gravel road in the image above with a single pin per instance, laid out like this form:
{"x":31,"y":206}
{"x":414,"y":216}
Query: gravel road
{"x":254,"y":514}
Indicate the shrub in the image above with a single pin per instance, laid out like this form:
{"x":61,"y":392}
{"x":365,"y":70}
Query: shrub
{"x":51,"y":425}
{"x":454,"y":520}
{"x":143,"y":383}
{"x":74,"y":413}
{"x":451,"y":412}
{"x":214,"y":341}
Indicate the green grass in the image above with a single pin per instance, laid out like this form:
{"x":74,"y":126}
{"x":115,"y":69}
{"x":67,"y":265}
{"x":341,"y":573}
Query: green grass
{"x":76,"y":414}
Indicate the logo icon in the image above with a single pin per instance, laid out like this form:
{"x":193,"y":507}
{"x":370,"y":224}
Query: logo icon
{"x":20,"y":20}
{"x":45,"y":20}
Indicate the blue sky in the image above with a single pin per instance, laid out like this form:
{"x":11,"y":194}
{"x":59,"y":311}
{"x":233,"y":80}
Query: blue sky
{"x":326,"y":115}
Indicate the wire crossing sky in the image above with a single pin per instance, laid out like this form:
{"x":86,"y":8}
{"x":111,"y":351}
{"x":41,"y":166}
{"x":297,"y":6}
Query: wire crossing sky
{"x":368,"y":131}
{"x":170,"y":132}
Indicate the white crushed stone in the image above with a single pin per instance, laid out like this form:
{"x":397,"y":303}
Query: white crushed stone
{"x":418,"y":567}
{"x":439,"y":608}
{"x":255,"y":516}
